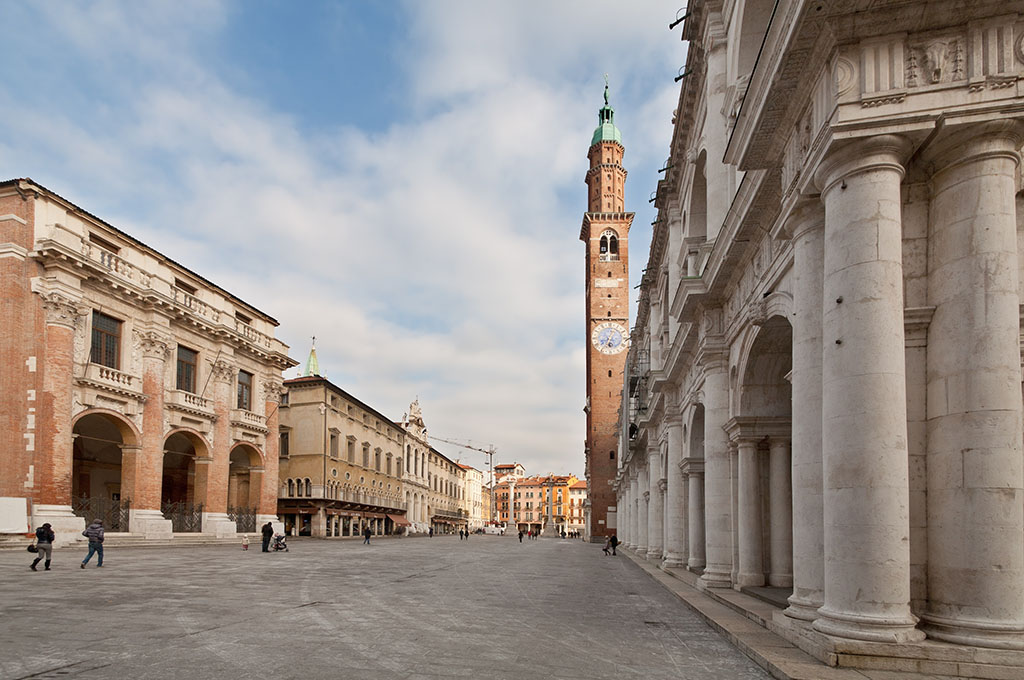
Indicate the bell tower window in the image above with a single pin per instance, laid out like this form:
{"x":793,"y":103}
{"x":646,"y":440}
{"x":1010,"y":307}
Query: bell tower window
{"x":609,"y":247}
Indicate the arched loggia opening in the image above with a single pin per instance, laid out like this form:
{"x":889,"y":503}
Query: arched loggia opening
{"x":183,"y":485}
{"x":99,"y":438}
{"x":762,"y":432}
{"x":245,"y":483}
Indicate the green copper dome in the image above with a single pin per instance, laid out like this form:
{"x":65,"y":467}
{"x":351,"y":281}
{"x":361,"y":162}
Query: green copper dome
{"x":606,"y":130}
{"x":312,"y":365}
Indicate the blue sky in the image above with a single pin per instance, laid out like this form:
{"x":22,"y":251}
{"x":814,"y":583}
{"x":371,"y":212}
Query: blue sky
{"x":402,"y":179}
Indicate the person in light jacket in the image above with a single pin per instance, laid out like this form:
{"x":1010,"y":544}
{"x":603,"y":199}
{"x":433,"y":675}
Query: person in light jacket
{"x":94,"y":532}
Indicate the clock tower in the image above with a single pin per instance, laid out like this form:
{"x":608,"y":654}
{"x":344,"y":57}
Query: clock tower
{"x":605,"y":232}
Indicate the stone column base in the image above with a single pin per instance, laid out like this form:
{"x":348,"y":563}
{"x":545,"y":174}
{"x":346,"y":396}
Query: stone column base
{"x":67,"y":526}
{"x":780,"y":580}
{"x":219,"y":524}
{"x":869,"y":628}
{"x":714,"y":579}
{"x":995,"y":635}
{"x":653,"y":555}
{"x":673,"y":560}
{"x":149,"y":523}
{"x":802,"y":609}
{"x":274,"y":521}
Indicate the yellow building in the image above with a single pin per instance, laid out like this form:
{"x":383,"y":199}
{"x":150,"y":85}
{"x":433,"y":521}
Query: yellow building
{"x":341,"y":464}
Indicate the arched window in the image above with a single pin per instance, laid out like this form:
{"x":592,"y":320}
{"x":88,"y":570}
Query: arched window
{"x":609,"y":246}
{"x":298,"y":487}
{"x":291,"y":488}
{"x":309,"y":487}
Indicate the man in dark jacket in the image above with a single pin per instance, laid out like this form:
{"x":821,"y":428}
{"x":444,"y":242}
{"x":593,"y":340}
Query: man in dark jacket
{"x":268,"y":533}
{"x":366,"y":535}
{"x":94,"y":532}
{"x":613,"y":541}
{"x":44,"y":546}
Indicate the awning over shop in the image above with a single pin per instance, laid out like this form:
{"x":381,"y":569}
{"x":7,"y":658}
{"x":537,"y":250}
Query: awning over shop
{"x":373,"y":515}
{"x":400,"y":520}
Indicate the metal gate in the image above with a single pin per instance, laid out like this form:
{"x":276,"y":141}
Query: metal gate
{"x":185,"y":518}
{"x":113,"y":513}
{"x":244,"y":518}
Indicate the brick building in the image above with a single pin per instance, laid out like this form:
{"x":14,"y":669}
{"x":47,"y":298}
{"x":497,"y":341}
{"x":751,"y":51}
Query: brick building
{"x":131,"y":388}
{"x":605,"y":230}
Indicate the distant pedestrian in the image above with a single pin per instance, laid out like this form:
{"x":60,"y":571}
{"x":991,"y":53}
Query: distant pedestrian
{"x":268,"y":533}
{"x":366,"y":535}
{"x":44,"y":546}
{"x":94,"y":532}
{"x":460,"y":534}
{"x":245,"y":541}
{"x":613,"y":540}
{"x":607,"y":545}
{"x":430,"y":534}
{"x":520,"y":536}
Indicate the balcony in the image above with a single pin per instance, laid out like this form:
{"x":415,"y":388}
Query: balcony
{"x":249,"y":420}
{"x":181,"y":400}
{"x":252,"y":335}
{"x":112,"y":380}
{"x":187,"y":300}
{"x":107,"y":261}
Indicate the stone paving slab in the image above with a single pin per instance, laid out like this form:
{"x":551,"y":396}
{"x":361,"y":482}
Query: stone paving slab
{"x":489,"y":607}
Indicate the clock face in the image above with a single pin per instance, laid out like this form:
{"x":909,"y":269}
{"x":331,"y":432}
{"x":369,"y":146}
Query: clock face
{"x":609,"y":337}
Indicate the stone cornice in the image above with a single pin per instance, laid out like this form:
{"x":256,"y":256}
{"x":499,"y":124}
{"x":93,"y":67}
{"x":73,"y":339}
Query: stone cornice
{"x":745,"y":428}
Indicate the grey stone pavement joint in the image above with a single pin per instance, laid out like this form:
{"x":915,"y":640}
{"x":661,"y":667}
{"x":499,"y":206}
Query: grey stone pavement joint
{"x":489,"y":607}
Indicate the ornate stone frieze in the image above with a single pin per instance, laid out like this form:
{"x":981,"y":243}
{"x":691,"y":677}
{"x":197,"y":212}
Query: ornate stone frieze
{"x":934,"y":60}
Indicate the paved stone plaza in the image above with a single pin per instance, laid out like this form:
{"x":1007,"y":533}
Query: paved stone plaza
{"x":400,"y":608}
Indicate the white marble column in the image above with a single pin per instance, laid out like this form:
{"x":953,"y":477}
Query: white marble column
{"x":675,"y":513}
{"x":864,"y":410}
{"x":717,"y":475}
{"x":807,"y":226}
{"x":622,"y":503}
{"x":642,"y":512}
{"x":695,"y":515}
{"x":780,"y":510}
{"x":751,"y":548}
{"x":634,"y":508}
{"x":975,"y":465}
{"x":656,"y":505}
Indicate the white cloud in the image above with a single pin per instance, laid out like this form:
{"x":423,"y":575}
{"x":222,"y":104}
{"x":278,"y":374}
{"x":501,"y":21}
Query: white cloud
{"x":438,"y":258}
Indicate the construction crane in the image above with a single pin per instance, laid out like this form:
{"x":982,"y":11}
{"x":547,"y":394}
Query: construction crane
{"x":489,"y":452}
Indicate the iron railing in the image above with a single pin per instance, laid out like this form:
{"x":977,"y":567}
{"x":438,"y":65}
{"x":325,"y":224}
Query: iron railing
{"x":245,"y":518}
{"x":185,"y":517}
{"x":113,"y":513}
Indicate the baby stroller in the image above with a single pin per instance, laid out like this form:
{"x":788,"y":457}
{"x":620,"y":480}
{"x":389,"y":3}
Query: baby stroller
{"x":279,"y":543}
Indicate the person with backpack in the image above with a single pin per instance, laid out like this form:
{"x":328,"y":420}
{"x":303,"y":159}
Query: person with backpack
{"x":94,"y":532}
{"x":44,"y":546}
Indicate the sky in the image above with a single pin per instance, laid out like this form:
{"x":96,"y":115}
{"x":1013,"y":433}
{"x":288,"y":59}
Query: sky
{"x":403,"y":180}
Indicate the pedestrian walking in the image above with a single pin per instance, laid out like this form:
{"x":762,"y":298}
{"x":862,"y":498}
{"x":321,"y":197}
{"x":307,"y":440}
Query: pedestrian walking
{"x":245,"y":542}
{"x":430,"y":534}
{"x":520,"y":536}
{"x":460,"y":534}
{"x":366,"y":535}
{"x":613,"y":540}
{"x":44,"y":546}
{"x":607,"y":545}
{"x":268,"y":533}
{"x":94,"y":532}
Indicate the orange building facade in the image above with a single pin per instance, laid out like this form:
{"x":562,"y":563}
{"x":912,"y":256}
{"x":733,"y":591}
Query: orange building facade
{"x":131,"y":388}
{"x":540,"y":502}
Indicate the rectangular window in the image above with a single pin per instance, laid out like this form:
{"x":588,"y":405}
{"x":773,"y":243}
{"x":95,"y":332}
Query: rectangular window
{"x":283,"y":453}
{"x":245,"y":390}
{"x":334,"y":445}
{"x":351,"y":451}
{"x":187,"y":361}
{"x":106,"y":341}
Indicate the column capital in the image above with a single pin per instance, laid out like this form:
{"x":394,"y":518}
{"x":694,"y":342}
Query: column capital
{"x":154,"y":345}
{"x":692,"y":466}
{"x":970,"y":143}
{"x":646,"y":496}
{"x":662,"y":484}
{"x":273,"y":387}
{"x":806,"y":216}
{"x":221,"y":371}
{"x":62,"y":310}
{"x":861,"y":155}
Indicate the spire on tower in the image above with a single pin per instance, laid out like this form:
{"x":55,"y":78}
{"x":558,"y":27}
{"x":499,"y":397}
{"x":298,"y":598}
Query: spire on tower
{"x":606,"y":130}
{"x":312,"y":365}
